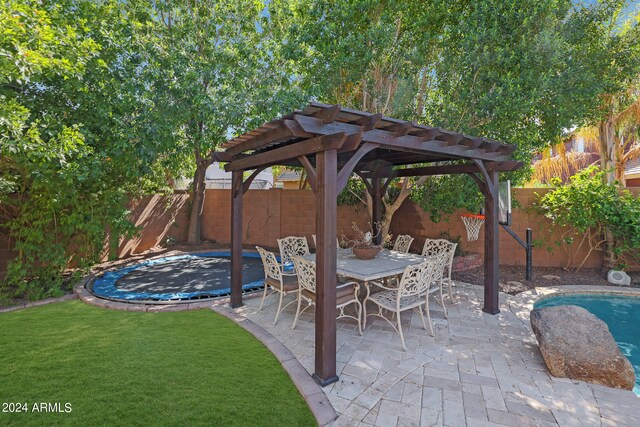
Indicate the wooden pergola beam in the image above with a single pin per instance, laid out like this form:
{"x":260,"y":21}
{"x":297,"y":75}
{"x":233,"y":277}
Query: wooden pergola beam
{"x":447,"y":144}
{"x":247,"y":182}
{"x":310,"y":146}
{"x":450,"y":138}
{"x":327,"y":114}
{"x":401,"y":158}
{"x":368,"y":122}
{"x":289,"y":130}
{"x":317,"y":126}
{"x":471,"y":142}
{"x":416,"y":144}
{"x":400,"y":129}
{"x":347,"y":169}
{"x":311,"y":172}
{"x":456,"y":169}
{"x":489,"y":146}
{"x":425,"y":133}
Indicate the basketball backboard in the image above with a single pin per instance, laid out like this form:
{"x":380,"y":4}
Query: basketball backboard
{"x":504,"y":202}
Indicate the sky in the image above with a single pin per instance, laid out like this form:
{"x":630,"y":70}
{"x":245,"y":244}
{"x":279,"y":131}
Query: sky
{"x":633,"y":6}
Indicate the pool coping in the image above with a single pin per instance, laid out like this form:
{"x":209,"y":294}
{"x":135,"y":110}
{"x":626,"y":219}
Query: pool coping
{"x":526,"y":299}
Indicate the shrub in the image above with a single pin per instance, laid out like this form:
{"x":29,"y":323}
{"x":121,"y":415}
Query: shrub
{"x":585,"y":207}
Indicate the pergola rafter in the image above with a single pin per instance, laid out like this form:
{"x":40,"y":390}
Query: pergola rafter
{"x":331,"y":143}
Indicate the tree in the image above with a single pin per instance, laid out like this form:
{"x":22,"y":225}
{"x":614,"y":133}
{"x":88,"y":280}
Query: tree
{"x":587,"y":205}
{"x":610,"y":61}
{"x":371,"y":56}
{"x":498,"y":69}
{"x":610,"y":58}
{"x":49,"y":200}
{"x":215,"y":72}
{"x":70,"y":136}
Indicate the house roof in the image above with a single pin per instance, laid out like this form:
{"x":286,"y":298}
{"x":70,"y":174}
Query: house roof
{"x":289,"y":176}
{"x":632,"y":169}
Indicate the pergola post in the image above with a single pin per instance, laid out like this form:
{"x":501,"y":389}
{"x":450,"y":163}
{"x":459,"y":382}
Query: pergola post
{"x":236,"y":238}
{"x":376,"y":214}
{"x":326,"y":212}
{"x":491,"y":239}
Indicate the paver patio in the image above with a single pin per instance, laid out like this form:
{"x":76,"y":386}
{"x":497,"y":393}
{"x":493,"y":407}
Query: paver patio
{"x":478,"y":370}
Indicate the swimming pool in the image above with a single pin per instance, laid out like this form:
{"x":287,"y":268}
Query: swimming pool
{"x":180,"y":278}
{"x":621,"y":313}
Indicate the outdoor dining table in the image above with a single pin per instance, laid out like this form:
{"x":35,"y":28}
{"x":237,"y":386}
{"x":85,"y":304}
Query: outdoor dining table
{"x":386,"y":264}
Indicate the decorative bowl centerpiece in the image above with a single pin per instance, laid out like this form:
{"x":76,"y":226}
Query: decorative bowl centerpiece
{"x":363,"y":246}
{"x":366,"y":252}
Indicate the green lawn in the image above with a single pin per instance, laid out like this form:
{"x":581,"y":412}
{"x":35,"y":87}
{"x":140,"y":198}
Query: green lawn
{"x":124,"y":368}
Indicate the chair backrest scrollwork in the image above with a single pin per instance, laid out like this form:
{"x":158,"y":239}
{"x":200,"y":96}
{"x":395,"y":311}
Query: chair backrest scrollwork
{"x":438,"y":246}
{"x":270,"y":264}
{"x":417,"y":279}
{"x":291,"y":246}
{"x":403,"y":243}
{"x":435,"y":246}
{"x":306,"y":273}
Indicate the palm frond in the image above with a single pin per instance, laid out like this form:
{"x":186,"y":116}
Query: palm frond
{"x":561,"y":166}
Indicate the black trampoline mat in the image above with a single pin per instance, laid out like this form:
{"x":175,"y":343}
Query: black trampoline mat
{"x":193,"y":274}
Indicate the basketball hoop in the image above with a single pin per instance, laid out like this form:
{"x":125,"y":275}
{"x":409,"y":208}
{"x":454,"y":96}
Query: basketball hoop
{"x":472,"y":223}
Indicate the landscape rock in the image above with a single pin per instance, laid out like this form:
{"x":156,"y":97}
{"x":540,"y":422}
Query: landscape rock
{"x":576,"y":344}
{"x":550,"y":277}
{"x":618,"y":278}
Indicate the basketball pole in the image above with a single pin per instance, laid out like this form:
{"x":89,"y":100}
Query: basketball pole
{"x":527,"y":245}
{"x":506,"y":223}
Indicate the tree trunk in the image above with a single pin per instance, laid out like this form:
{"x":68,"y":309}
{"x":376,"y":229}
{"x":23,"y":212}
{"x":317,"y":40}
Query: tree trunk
{"x":390,"y":208}
{"x":608,"y":162}
{"x":608,"y":152}
{"x":197,"y":198}
{"x":621,"y":159}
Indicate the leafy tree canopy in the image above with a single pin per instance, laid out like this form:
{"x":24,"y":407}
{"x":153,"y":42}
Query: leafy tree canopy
{"x":215,"y":70}
{"x":522,"y":72}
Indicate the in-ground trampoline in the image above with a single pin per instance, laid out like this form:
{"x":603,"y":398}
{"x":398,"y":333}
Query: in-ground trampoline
{"x":180,"y":278}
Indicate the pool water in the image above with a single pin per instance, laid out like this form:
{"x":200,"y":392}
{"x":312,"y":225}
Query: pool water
{"x":620,"y":313}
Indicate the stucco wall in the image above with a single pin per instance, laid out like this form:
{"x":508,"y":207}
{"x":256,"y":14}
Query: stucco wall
{"x":411,"y":219}
{"x":270,"y":214}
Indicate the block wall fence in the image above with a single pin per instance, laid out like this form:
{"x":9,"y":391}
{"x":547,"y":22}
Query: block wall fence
{"x":270,"y":214}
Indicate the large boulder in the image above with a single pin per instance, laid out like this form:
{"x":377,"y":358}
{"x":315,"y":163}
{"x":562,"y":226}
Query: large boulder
{"x":578,"y":345}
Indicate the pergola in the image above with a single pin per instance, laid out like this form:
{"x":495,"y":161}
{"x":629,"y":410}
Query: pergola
{"x":331,"y":143}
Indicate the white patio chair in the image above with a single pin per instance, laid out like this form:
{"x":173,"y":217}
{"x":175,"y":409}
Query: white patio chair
{"x":403,"y":243}
{"x":409,"y":295}
{"x":436,"y":246}
{"x":436,"y":285}
{"x":289,"y":247}
{"x":315,"y":244}
{"x":346,"y":293}
{"x":276,"y":280}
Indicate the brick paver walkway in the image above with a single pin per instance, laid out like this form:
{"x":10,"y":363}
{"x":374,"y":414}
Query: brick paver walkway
{"x":478,"y":370}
